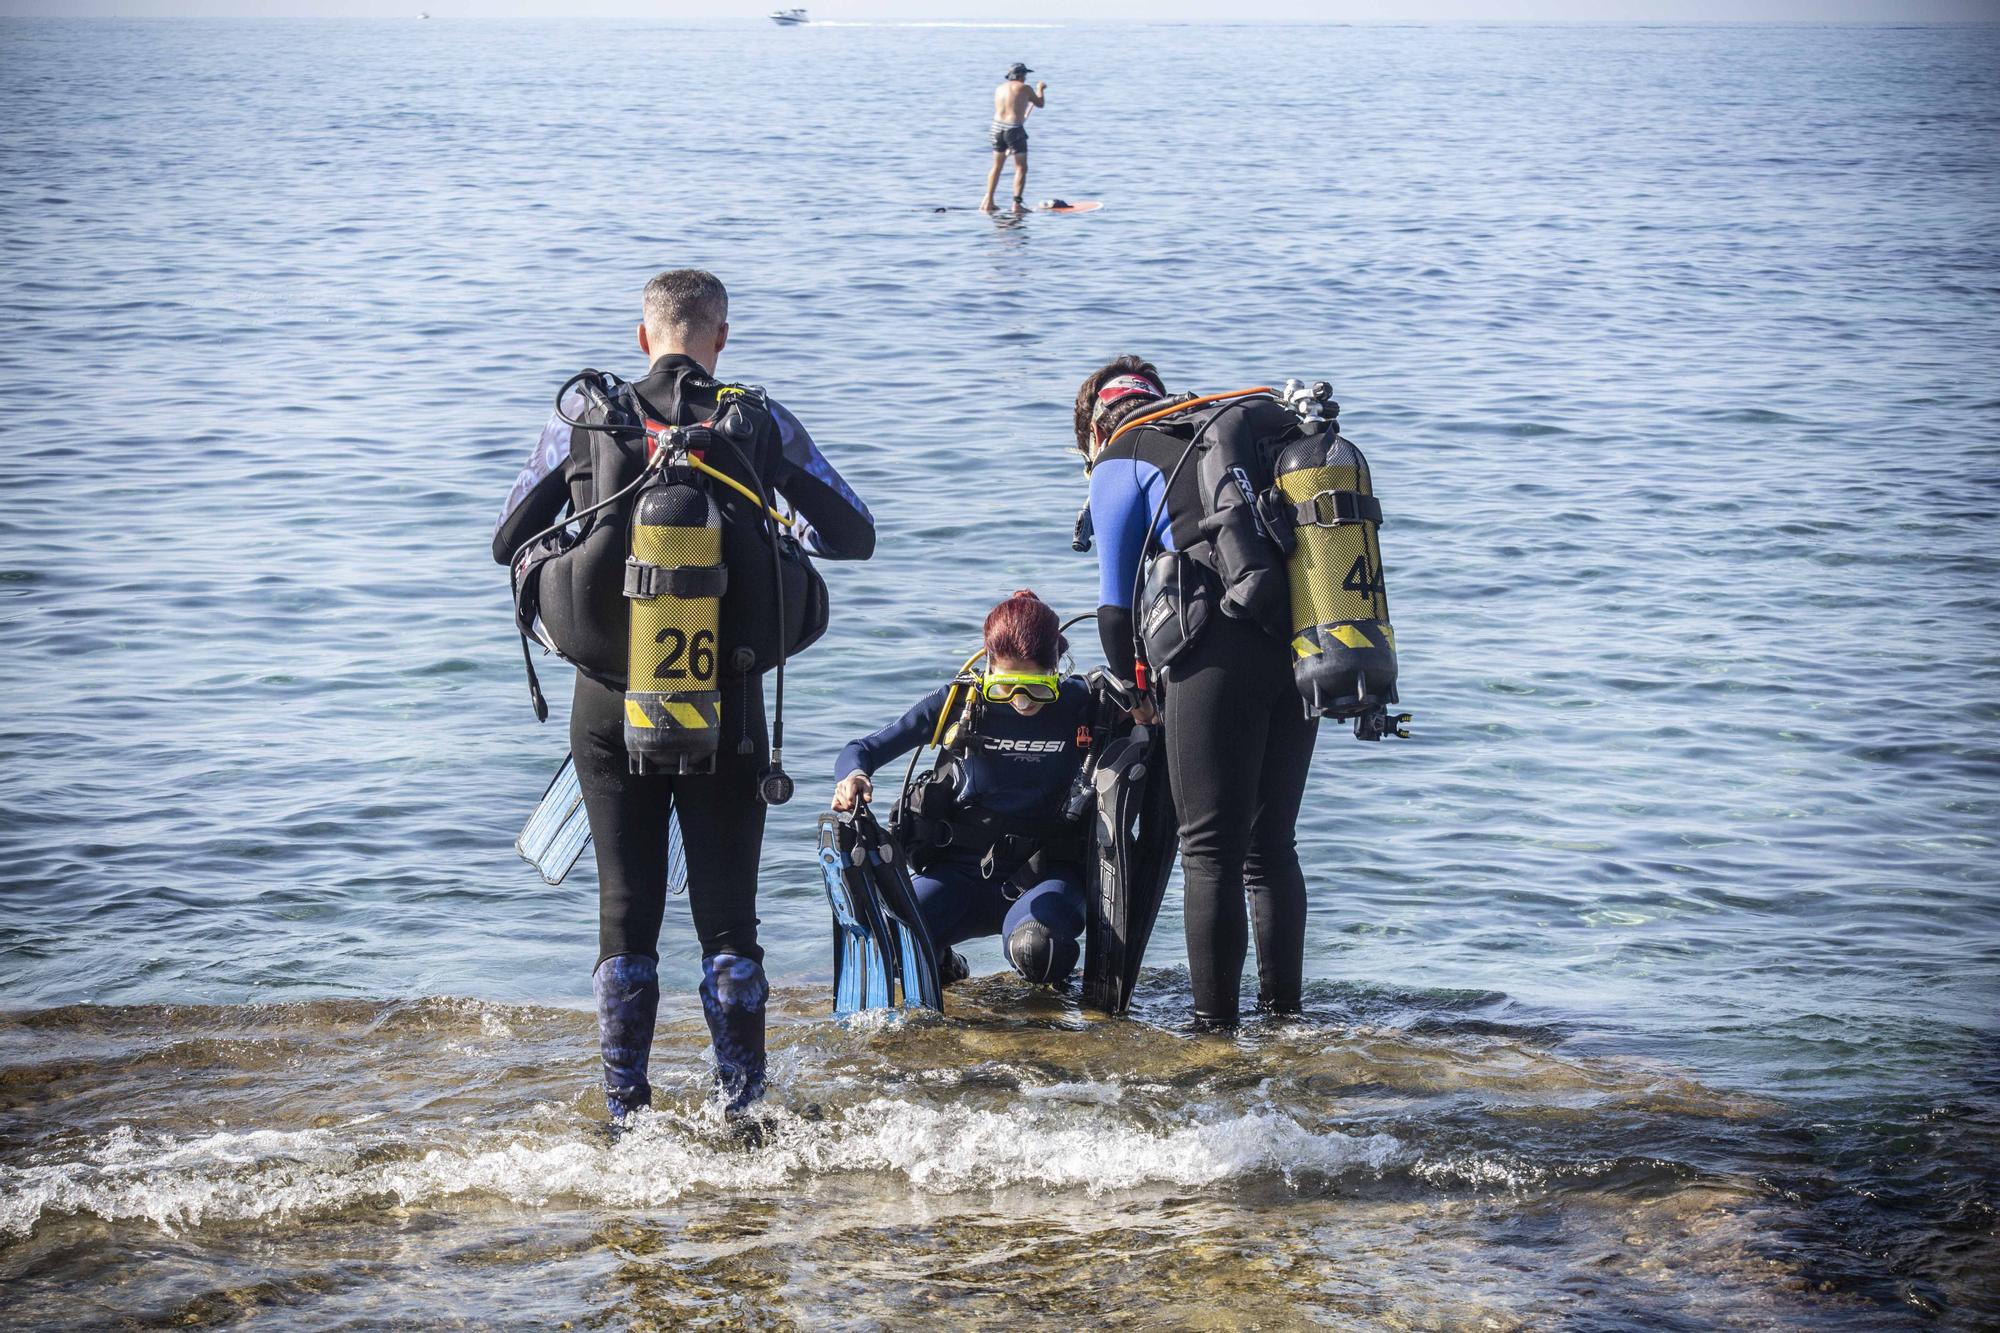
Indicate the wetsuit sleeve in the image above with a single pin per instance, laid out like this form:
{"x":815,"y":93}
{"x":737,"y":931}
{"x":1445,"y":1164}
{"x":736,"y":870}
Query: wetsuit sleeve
{"x":905,"y":734}
{"x":1120,"y":516}
{"x":831,"y":520}
{"x":540,"y":489}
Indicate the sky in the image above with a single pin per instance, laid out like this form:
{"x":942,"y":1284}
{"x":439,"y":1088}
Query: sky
{"x":1076,"y":11}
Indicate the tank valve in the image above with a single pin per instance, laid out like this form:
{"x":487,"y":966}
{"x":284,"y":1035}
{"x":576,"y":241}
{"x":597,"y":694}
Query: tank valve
{"x":1312,"y":402}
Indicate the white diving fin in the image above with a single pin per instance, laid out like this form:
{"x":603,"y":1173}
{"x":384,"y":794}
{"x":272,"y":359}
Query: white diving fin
{"x":553,"y":839}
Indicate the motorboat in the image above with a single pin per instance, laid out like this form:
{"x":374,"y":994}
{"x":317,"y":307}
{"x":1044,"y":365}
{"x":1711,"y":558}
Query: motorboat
{"x":789,"y":18}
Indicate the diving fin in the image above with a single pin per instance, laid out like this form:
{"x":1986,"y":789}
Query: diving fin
{"x":918,"y":976}
{"x":1133,"y":845}
{"x":863,"y":976}
{"x":555,"y":835}
{"x":883,"y":957}
{"x":553,"y":839}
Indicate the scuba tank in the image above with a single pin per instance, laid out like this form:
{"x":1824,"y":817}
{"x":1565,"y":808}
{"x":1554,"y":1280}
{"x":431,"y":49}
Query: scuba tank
{"x":1343,"y":648}
{"x":1285,"y":539}
{"x":656,"y":629}
{"x":675,"y":579}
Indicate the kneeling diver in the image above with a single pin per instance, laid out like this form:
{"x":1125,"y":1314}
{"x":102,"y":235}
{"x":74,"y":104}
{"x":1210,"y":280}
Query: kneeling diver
{"x":987,"y":834}
{"x":673,"y":586}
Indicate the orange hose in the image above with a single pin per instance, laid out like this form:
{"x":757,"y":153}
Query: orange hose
{"x":1145,"y":417}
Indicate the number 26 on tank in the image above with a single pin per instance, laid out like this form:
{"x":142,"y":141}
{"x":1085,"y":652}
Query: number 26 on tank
{"x":699,"y":652}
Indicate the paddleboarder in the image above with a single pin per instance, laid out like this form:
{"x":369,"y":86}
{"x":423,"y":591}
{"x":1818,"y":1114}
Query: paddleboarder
{"x":1012,"y":101}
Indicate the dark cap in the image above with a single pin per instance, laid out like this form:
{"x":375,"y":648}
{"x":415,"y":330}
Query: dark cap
{"x":1018,"y":70}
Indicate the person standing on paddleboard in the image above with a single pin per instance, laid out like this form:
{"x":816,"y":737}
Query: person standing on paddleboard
{"x":1012,"y":101}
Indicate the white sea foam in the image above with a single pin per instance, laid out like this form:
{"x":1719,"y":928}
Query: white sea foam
{"x":1094,"y":1093}
{"x":1496,"y":1173}
{"x":177,"y":1182}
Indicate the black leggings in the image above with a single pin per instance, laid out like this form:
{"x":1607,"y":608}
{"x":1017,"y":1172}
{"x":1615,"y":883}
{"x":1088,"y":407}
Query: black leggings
{"x":1238,"y":749}
{"x":722,"y":826}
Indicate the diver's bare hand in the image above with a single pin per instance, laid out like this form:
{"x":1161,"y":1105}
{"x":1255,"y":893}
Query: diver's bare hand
{"x":1144,"y":713}
{"x":852,"y":790}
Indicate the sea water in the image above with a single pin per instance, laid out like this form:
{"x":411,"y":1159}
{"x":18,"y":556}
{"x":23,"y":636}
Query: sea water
{"x":1652,"y":982}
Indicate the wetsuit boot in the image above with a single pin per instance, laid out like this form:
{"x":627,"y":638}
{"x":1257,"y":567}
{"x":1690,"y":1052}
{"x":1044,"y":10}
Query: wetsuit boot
{"x":733,"y":991}
{"x":627,"y":987}
{"x":1040,"y":957}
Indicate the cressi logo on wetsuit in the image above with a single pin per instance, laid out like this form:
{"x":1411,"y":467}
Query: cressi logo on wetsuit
{"x":1021,"y":747}
{"x":1020,"y":764}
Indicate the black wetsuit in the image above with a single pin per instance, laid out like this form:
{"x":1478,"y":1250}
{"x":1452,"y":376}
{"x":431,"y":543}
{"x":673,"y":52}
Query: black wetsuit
{"x":1238,"y":743}
{"x":722,"y":821}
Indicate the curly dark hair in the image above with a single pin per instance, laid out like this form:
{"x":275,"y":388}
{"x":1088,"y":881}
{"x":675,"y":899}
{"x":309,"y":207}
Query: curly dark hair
{"x":1086,"y":397}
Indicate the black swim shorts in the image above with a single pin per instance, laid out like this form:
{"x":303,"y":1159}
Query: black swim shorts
{"x":1009,"y":138}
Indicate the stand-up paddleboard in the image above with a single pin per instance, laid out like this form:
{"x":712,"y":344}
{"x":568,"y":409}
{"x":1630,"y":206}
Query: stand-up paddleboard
{"x":1046,"y":206}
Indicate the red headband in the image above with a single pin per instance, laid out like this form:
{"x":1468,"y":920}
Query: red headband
{"x":1124,"y":386}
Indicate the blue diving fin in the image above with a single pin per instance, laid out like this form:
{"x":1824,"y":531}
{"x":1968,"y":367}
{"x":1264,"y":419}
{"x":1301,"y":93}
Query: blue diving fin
{"x":917,"y":974}
{"x":555,"y":835}
{"x":862,"y":974}
{"x":883,"y":957}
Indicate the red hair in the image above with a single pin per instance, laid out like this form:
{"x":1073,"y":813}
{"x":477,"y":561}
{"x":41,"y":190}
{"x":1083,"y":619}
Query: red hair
{"x":1025,"y":628}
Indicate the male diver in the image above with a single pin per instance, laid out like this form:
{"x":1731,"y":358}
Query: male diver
{"x":989,"y":841}
{"x":1238,"y":743}
{"x":765,"y":453}
{"x":1012,"y":101}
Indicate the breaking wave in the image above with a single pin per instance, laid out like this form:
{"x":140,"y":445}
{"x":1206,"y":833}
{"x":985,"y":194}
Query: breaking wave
{"x":176,"y":1181}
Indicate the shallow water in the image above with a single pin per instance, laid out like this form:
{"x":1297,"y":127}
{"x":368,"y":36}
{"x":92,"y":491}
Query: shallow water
{"x":1655,"y":974}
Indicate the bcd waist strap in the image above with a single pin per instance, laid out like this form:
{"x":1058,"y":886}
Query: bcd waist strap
{"x":993,"y":837}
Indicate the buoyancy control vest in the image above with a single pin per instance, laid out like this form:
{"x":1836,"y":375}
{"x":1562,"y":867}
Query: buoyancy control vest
{"x":1286,"y":539}
{"x":935,"y":817}
{"x":578,"y":583}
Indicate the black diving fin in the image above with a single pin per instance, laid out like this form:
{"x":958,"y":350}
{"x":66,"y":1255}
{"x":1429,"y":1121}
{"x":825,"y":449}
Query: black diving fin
{"x":553,"y":839}
{"x":1134,"y":837}
{"x":883,"y":957}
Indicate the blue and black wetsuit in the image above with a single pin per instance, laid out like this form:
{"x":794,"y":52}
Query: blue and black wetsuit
{"x":1018,"y":767}
{"x":722,"y":821}
{"x":1238,"y":743}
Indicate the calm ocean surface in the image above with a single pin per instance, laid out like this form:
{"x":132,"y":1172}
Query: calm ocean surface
{"x":1655,"y":977}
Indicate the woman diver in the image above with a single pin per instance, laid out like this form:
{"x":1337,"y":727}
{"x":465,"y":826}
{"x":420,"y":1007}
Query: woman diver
{"x":986,"y":833}
{"x":1238,"y":744}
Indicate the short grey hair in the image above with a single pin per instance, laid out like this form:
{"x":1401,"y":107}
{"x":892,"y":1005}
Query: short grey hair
{"x":684,"y":305}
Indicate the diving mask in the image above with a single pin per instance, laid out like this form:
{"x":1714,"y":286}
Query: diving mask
{"x":1000,"y":686}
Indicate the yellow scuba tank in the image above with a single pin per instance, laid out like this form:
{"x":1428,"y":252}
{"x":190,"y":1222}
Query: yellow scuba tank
{"x":1343,"y":648}
{"x":674,"y":581}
